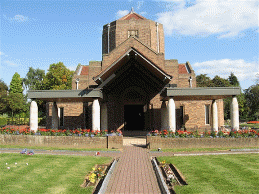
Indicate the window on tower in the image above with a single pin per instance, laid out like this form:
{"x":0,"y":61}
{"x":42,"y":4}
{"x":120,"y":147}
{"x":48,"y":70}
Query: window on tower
{"x":133,"y":33}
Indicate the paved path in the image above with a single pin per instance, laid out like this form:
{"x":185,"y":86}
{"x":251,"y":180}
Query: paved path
{"x":133,"y":173}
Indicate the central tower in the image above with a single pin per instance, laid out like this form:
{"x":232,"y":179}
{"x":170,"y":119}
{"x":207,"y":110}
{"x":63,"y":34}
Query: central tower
{"x":148,"y":32}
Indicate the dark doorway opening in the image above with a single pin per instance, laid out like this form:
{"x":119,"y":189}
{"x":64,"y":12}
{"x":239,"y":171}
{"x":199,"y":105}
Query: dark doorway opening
{"x":134,"y":118}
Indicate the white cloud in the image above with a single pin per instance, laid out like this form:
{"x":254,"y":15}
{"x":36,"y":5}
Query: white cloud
{"x":18,"y":18}
{"x":121,"y":13}
{"x":226,"y":18}
{"x":242,"y":69}
{"x":1,"y":53}
{"x":143,"y":13}
{"x":140,"y":3}
{"x":10,"y":63}
{"x":72,"y":68}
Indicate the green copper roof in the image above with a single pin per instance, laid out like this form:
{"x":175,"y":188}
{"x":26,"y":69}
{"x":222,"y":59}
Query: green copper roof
{"x":200,"y":93}
{"x":64,"y":94}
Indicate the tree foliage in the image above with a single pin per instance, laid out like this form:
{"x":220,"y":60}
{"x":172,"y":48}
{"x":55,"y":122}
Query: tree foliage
{"x":16,"y":84}
{"x":16,"y":100}
{"x":233,"y":80}
{"x":3,"y":96}
{"x":252,"y":98}
{"x":203,"y":80}
{"x":220,"y":82}
{"x":58,"y":77}
{"x":34,"y":79}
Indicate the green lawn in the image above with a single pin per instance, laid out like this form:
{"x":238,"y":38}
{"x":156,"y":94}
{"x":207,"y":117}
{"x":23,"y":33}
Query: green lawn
{"x":46,"y":173}
{"x":256,"y":126}
{"x":218,"y":173}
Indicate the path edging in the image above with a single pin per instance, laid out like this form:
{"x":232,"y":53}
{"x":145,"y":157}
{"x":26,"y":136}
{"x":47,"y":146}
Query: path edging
{"x":107,"y":178}
{"x":160,"y":178}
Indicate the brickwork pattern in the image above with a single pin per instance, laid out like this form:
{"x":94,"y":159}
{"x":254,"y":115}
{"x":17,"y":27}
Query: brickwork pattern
{"x":160,"y":142}
{"x":133,"y":173}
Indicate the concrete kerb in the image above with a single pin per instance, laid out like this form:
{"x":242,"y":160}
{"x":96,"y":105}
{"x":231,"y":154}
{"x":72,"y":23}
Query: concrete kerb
{"x":107,"y":178}
{"x":66,"y":151}
{"x":203,"y":154}
{"x":159,"y":177}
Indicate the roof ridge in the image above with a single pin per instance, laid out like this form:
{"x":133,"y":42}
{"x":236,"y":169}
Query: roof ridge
{"x":131,"y":13}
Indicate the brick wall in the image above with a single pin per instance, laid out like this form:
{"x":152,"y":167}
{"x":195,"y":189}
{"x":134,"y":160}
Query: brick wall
{"x":157,"y":59}
{"x":73,"y":114}
{"x":63,"y":141}
{"x":164,"y":143}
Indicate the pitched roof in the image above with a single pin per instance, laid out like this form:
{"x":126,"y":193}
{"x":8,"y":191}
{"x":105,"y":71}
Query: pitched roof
{"x":131,"y":15}
{"x":85,"y":70}
{"x":182,"y":69}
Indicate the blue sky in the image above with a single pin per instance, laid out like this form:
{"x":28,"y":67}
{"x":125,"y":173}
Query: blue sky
{"x":216,"y":37}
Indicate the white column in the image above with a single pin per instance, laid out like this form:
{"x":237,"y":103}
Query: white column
{"x":171,"y":114}
{"x":104,"y":117}
{"x":234,"y":114}
{"x":164,"y":117}
{"x":96,"y":116}
{"x":54,"y":116}
{"x":215,"y":116}
{"x":33,"y":116}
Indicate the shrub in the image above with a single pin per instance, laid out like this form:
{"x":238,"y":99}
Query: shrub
{"x":3,"y":121}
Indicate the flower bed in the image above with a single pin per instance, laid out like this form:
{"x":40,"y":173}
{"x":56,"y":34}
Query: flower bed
{"x":94,"y":177}
{"x":253,"y":122}
{"x":58,"y":132}
{"x":78,"y":138}
{"x":182,"y":139}
{"x":209,"y":134}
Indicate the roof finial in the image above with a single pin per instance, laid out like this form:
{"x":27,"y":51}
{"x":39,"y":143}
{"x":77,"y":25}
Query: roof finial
{"x":132,"y":10}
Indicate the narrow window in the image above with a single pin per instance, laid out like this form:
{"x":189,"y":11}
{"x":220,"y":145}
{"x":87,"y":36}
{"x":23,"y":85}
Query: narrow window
{"x":207,"y":114}
{"x":61,"y":116}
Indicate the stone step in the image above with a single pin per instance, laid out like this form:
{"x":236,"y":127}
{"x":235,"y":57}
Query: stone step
{"x":130,"y":141}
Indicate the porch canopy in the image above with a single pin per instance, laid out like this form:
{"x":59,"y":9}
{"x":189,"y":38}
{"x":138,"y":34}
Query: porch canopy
{"x":65,"y":95}
{"x":189,"y":94}
{"x":206,"y":93}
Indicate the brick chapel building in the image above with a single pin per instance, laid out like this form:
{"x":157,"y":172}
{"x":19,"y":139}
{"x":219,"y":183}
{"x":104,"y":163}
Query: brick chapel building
{"x":135,"y":88}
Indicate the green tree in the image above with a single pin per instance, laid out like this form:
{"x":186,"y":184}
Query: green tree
{"x":34,"y":79}
{"x":220,"y":82}
{"x":203,"y":80}
{"x":233,"y":80}
{"x":16,"y":84}
{"x":16,"y":100}
{"x":252,"y":100}
{"x":58,"y":77}
{"x":3,"y":96}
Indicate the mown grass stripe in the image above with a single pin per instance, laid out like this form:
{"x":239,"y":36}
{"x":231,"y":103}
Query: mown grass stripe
{"x":49,"y":174}
{"x":218,"y":173}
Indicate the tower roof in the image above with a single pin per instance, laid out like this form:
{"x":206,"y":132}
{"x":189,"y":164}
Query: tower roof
{"x":132,"y":14}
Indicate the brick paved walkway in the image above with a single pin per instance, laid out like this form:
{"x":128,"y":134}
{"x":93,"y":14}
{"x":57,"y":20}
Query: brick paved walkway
{"x":133,"y":173}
